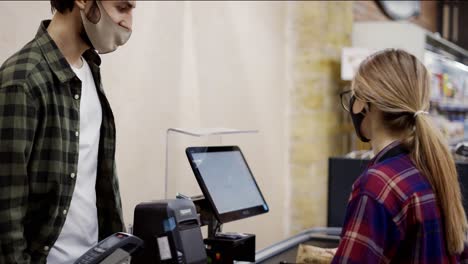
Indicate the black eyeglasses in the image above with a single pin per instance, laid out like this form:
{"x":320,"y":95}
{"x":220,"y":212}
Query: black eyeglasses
{"x":345,"y":97}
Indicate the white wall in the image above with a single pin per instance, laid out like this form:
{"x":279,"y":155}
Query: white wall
{"x":191,"y":64}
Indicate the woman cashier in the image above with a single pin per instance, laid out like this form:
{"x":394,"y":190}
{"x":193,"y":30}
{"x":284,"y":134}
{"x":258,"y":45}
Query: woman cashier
{"x":406,"y":207}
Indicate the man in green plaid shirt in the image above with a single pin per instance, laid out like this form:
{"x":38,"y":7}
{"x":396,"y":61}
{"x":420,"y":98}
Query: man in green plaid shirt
{"x":57,"y":136}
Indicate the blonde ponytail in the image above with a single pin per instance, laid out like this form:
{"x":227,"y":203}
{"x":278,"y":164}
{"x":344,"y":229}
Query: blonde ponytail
{"x":433,"y":158}
{"x":398,"y":85}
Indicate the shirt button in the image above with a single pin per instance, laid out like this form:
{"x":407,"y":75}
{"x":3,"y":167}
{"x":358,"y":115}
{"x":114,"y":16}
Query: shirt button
{"x":77,"y":96}
{"x":46,"y":248}
{"x":64,"y":212}
{"x":72,"y":175}
{"x":77,"y":133}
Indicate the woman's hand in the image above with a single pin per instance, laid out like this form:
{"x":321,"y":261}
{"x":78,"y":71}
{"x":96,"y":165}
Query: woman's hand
{"x":315,"y":255}
{"x":331,"y":251}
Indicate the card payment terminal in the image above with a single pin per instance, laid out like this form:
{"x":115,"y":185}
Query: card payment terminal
{"x":112,"y":250}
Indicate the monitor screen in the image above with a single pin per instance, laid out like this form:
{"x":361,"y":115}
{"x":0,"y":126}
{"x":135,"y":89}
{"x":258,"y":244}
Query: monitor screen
{"x":227,"y":182}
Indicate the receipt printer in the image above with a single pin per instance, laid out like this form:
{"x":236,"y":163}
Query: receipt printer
{"x":171,"y":232}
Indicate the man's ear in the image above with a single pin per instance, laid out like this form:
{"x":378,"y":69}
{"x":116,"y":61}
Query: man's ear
{"x":90,"y":8}
{"x":81,"y":4}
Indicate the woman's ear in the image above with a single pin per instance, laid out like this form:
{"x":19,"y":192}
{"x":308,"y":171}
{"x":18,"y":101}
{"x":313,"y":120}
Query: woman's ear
{"x":359,"y":106}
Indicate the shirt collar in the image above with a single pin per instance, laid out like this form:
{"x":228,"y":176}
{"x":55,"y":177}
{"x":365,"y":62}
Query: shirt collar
{"x":54,"y":57}
{"x":391,"y":150}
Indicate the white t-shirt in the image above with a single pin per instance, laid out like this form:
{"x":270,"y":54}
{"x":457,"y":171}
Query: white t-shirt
{"x":80,"y":231}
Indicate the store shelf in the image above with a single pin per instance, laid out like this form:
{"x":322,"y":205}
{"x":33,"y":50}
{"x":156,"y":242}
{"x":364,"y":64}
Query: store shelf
{"x":455,"y":107}
{"x":455,"y":141}
{"x":435,"y":43}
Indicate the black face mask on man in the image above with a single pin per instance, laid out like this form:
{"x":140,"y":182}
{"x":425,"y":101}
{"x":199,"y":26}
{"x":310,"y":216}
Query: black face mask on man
{"x":357,"y":120}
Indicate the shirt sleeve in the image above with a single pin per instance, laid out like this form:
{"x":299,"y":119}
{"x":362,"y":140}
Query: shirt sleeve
{"x":369,"y":234}
{"x":17,"y":127}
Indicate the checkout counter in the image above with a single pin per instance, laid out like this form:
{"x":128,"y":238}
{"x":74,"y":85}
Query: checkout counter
{"x":285,"y":251}
{"x":168,"y":231}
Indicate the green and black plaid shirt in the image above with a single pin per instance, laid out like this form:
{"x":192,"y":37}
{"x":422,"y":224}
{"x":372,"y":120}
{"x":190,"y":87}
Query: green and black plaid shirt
{"x":39,"y":118}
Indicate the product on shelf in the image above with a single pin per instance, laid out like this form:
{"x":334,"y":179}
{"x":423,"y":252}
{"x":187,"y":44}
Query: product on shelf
{"x":449,"y":96}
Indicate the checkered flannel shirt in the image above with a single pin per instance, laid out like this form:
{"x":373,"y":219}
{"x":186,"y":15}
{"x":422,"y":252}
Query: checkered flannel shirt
{"x":393,"y":216}
{"x":39,"y":121}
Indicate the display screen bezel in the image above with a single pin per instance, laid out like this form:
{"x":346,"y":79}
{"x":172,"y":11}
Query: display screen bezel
{"x":232,"y":215}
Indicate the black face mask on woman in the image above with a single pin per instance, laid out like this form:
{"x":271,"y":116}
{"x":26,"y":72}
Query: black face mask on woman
{"x":357,"y":120}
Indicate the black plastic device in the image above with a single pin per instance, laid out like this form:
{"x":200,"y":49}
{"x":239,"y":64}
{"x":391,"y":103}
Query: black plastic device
{"x":226,"y":182}
{"x":112,"y":250}
{"x":171,"y":232}
{"x":229,"y":247}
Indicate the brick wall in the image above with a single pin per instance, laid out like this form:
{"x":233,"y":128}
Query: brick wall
{"x":319,"y":30}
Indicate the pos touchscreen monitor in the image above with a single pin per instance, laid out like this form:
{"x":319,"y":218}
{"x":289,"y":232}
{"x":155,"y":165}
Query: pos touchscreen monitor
{"x":227,"y":182}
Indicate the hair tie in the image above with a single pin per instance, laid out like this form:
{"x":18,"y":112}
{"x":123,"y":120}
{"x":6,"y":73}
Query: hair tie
{"x":420,"y":112}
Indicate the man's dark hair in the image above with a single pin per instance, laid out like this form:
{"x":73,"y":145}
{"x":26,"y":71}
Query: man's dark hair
{"x":62,"y":6}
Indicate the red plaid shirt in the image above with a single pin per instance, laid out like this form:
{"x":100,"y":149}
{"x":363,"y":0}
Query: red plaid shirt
{"x":393,"y":216}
